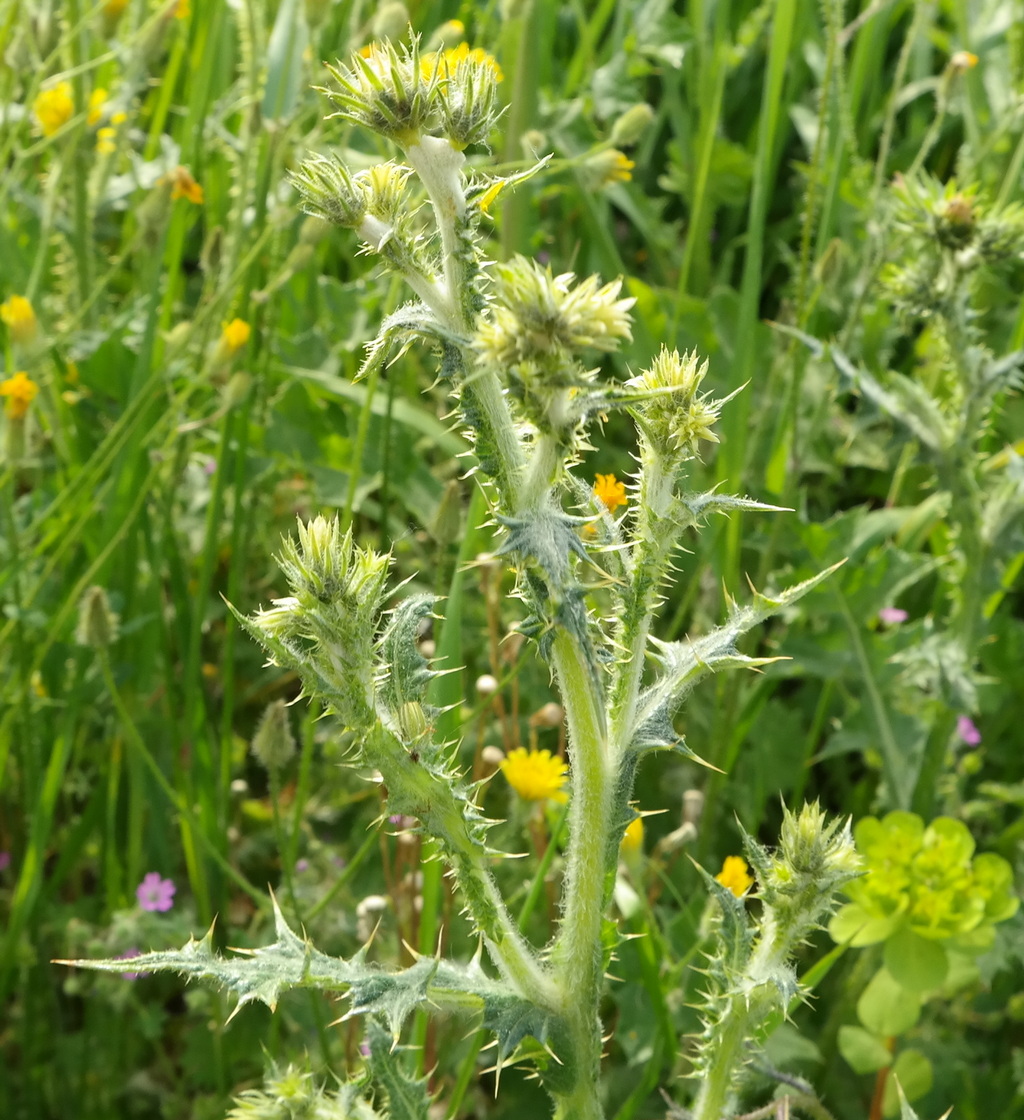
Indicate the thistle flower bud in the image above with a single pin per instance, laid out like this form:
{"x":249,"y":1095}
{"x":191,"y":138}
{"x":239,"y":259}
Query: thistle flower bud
{"x":538,"y":316}
{"x":386,"y":91}
{"x":98,"y":625}
{"x":675,"y":417}
{"x":273,"y":745}
{"x":329,"y":192}
{"x":330,"y":619}
{"x":798,"y":884}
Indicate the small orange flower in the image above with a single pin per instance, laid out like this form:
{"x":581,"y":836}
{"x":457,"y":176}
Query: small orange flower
{"x":735,"y":875}
{"x":20,"y":391}
{"x":610,"y":492}
{"x":53,"y":108}
{"x":20,"y":319}
{"x":184,"y":186}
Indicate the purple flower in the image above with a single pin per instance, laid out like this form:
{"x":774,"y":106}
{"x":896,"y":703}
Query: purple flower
{"x":892,"y":616}
{"x":155,"y":893}
{"x":5,"y":860}
{"x":301,"y":865}
{"x":127,"y":956}
{"x":967,"y":731}
{"x":364,"y":1048}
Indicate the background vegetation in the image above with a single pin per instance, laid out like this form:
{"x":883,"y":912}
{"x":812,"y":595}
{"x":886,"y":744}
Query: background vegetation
{"x":165,"y":455}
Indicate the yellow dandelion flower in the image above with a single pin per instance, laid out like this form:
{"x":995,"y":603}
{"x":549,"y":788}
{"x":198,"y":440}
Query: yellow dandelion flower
{"x":633,"y":838}
{"x":113,"y":8}
{"x":536,"y":775}
{"x":106,"y":141}
{"x":97,"y":99}
{"x":20,"y":391}
{"x":20,"y":319}
{"x":119,"y":117}
{"x":53,"y":108}
{"x":235,"y":335}
{"x":735,"y":875}
{"x":610,"y":492}
{"x":963,"y":60}
{"x":184,"y":186}
{"x":182,"y":9}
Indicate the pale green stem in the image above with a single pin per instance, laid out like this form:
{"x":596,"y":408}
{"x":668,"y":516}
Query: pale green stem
{"x":577,"y":953}
{"x":716,"y":1089}
{"x":656,"y":541}
{"x":541,"y":473}
{"x":439,"y":167}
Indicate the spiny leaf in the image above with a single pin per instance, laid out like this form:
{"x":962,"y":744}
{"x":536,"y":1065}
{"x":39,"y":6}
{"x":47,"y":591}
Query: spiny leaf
{"x":292,"y":962}
{"x":685,"y":663}
{"x":407,"y":1094}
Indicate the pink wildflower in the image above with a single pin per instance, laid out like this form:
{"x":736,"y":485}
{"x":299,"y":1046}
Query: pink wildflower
{"x":155,"y":893}
{"x":967,"y":731}
{"x":892,"y":616}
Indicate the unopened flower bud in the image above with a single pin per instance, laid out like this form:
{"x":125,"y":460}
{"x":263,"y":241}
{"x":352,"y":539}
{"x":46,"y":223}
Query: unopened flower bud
{"x":633,"y":123}
{"x":329,"y":192}
{"x":236,"y":390}
{"x":273,"y":745}
{"x":97,"y":625}
{"x":486,"y":685}
{"x":491,"y":758}
{"x":550,"y":715}
{"x":391,"y":21}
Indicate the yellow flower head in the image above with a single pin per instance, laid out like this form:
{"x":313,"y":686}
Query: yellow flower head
{"x":97,"y":99}
{"x":19,"y":318}
{"x":106,"y":141}
{"x":53,"y":108}
{"x":607,"y":167}
{"x":235,"y":335}
{"x":735,"y":875}
{"x":633,"y":838}
{"x":451,"y":60}
{"x":536,"y":775}
{"x":20,"y":391}
{"x":610,"y":492}
{"x":182,"y":9}
{"x":184,"y":186}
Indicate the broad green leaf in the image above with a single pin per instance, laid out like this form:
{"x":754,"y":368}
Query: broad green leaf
{"x":886,"y":1007}
{"x":852,"y":925}
{"x":918,"y":963}
{"x":864,"y":1052}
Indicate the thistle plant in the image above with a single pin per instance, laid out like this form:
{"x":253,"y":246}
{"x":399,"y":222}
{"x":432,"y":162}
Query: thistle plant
{"x":948,"y":247}
{"x":516,"y":343}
